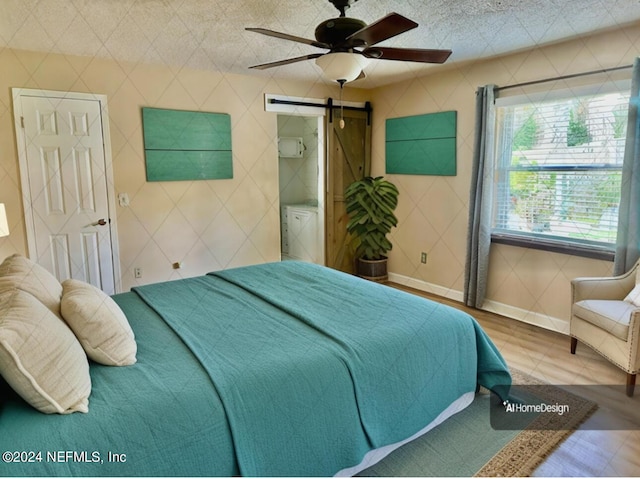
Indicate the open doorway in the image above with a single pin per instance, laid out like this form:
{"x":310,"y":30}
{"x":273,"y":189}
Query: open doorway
{"x":301,"y":183}
{"x":317,"y":160}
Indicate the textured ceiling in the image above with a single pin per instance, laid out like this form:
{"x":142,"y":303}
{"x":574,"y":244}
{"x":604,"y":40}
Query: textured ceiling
{"x":209,"y":34}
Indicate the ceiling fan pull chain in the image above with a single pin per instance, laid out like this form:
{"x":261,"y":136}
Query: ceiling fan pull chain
{"x":341,"y":105}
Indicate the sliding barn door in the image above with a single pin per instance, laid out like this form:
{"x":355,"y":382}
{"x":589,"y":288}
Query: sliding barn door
{"x":349,"y":159}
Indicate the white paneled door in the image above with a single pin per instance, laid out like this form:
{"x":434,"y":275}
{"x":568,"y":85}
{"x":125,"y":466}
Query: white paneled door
{"x":67,"y":185}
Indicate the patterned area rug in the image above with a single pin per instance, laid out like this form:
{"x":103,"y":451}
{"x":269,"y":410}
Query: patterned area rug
{"x":522,"y":455}
{"x":466,"y":445}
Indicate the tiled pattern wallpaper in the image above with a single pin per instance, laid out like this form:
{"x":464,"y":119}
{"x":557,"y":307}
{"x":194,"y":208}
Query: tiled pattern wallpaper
{"x":210,"y":225}
{"x":206,"y":225}
{"x":528,"y":284}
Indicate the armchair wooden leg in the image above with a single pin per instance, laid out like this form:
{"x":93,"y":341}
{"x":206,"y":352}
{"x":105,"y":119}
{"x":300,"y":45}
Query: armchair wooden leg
{"x":631,"y":383}
{"x":574,"y":343}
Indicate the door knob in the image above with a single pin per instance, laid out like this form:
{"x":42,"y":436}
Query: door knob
{"x":100,"y":222}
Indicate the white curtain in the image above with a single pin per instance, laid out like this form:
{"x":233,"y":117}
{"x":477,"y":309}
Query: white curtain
{"x":480,"y":204}
{"x":628,"y":242}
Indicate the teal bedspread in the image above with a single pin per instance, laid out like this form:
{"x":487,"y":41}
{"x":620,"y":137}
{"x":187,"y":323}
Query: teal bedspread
{"x":315,"y":367}
{"x":272,"y":370}
{"x":163,"y":413}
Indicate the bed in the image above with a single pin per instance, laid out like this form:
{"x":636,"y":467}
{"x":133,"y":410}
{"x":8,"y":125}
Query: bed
{"x":281,"y":369}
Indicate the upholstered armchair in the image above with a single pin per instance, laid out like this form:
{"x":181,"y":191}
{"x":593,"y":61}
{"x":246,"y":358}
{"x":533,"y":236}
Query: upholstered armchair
{"x":604,"y":318}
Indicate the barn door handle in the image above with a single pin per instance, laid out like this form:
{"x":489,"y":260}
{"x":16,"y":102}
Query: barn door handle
{"x":100,"y":222}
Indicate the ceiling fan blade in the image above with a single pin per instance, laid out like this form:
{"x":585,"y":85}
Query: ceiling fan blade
{"x":264,"y":66}
{"x":380,"y":30}
{"x":407,"y":54}
{"x":286,"y":36}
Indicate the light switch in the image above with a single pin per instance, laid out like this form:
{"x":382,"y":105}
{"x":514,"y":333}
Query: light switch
{"x":123,"y":199}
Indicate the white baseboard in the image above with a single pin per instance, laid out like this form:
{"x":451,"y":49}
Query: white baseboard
{"x":513,"y":312}
{"x":426,"y":287}
{"x":541,"y":320}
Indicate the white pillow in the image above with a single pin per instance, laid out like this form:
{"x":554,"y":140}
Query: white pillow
{"x":18,"y":272}
{"x":40,"y":357}
{"x":98,"y":323}
{"x":634,"y":296}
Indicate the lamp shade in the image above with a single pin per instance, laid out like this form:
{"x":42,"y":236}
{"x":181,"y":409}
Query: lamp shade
{"x":4,"y":224}
{"x":341,"y":65}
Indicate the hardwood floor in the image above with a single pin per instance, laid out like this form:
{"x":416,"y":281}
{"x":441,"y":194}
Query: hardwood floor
{"x":608,"y":443}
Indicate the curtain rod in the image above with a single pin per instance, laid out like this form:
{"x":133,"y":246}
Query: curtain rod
{"x":565,"y":77}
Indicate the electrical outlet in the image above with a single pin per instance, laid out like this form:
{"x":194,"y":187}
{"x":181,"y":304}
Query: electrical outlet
{"x":137,"y":272}
{"x":423,"y":258}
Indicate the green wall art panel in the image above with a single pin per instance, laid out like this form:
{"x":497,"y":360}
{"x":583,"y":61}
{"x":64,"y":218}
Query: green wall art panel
{"x":422,"y":144}
{"x":187,"y":145}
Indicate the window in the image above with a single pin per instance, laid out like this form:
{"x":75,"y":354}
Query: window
{"x":559,"y":170}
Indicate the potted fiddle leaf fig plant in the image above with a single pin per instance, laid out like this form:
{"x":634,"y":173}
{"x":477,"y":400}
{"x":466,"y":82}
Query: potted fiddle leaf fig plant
{"x":371,"y":203}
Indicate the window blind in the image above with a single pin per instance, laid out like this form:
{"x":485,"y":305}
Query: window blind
{"x":559,"y":166}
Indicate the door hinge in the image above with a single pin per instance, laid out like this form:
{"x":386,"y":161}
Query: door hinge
{"x":22,"y":121}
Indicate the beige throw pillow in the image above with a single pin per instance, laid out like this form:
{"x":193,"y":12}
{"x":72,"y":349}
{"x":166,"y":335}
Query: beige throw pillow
{"x":634,"y":296}
{"x":98,"y":323}
{"x":40,"y":357}
{"x":18,"y":272}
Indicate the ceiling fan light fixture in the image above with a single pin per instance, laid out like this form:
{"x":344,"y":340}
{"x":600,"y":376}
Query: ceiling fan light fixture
{"x":343,"y":66}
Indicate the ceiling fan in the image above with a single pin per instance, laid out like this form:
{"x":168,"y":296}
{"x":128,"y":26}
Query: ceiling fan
{"x":351,"y":42}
